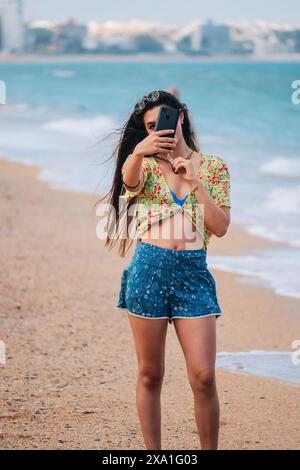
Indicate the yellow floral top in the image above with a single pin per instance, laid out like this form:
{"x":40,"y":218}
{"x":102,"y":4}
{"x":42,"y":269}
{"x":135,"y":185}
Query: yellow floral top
{"x":156,"y":203}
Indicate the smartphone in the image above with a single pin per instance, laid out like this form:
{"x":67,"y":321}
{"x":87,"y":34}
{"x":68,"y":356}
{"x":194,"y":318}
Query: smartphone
{"x":167,"y":119}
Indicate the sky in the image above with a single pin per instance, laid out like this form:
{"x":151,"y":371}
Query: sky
{"x":164,"y":11}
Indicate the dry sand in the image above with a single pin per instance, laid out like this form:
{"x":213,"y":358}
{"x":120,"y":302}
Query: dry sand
{"x":144,"y":57}
{"x":70,"y":376}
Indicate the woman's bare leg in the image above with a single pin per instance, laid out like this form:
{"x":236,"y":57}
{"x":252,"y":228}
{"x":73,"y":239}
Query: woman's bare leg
{"x":150,"y":339}
{"x":197,"y":337}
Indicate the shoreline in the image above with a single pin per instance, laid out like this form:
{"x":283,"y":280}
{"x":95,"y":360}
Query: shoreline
{"x":78,"y":58}
{"x":69,"y":384}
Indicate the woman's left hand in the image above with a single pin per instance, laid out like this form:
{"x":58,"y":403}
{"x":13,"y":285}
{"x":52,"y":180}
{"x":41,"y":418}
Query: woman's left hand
{"x":185,"y":168}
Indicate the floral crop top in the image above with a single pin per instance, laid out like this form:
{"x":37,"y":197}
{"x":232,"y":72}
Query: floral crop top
{"x":156,"y":203}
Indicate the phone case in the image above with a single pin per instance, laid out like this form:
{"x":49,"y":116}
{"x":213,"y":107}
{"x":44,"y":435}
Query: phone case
{"x":167,"y":119}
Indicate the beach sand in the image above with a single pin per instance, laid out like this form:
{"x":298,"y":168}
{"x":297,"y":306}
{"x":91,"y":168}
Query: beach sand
{"x":70,"y":376}
{"x":144,"y":57}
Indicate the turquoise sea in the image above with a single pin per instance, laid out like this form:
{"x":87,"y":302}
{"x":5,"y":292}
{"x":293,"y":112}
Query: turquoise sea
{"x":57,"y":113}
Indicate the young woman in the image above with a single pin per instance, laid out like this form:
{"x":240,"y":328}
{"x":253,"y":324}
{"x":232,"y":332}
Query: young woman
{"x":181,"y":198}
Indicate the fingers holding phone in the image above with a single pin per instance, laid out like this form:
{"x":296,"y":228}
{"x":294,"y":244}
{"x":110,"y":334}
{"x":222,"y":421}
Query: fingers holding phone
{"x":157,"y":142}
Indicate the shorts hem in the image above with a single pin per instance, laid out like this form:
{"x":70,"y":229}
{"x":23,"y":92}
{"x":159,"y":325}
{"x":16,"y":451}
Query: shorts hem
{"x":219,"y":314}
{"x":147,"y":318}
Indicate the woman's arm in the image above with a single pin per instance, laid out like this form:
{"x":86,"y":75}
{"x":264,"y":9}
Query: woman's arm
{"x":216,"y":218}
{"x":217,"y":205}
{"x":133,"y":172}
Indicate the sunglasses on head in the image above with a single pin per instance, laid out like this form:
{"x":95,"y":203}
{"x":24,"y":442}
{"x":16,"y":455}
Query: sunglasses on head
{"x":153,"y":96}
{"x":141,"y":104}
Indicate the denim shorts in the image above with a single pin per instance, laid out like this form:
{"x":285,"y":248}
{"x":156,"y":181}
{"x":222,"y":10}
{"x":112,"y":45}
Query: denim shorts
{"x":162,"y":283}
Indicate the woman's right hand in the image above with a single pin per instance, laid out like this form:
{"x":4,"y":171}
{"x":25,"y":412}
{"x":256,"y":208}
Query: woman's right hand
{"x":156,"y":143}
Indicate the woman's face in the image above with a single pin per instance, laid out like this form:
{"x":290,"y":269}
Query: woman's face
{"x":150,"y":119}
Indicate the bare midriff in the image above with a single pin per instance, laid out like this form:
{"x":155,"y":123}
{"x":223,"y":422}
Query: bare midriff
{"x":174,"y":233}
{"x":177,"y":231}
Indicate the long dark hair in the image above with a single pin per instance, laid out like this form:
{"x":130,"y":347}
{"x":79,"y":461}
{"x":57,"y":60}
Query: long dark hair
{"x":131,"y":134}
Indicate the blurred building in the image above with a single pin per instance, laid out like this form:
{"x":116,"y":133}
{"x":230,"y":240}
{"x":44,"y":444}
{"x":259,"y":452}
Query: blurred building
{"x":261,"y":38}
{"x":11,"y":26}
{"x":70,"y":36}
{"x":54,"y":37}
{"x":215,"y":39}
{"x":196,"y":39}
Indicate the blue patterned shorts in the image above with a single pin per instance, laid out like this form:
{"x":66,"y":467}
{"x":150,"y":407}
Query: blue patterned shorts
{"x":163,"y":283}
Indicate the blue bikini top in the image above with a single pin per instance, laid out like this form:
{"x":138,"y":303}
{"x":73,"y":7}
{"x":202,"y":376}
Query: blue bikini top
{"x":177,"y":200}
